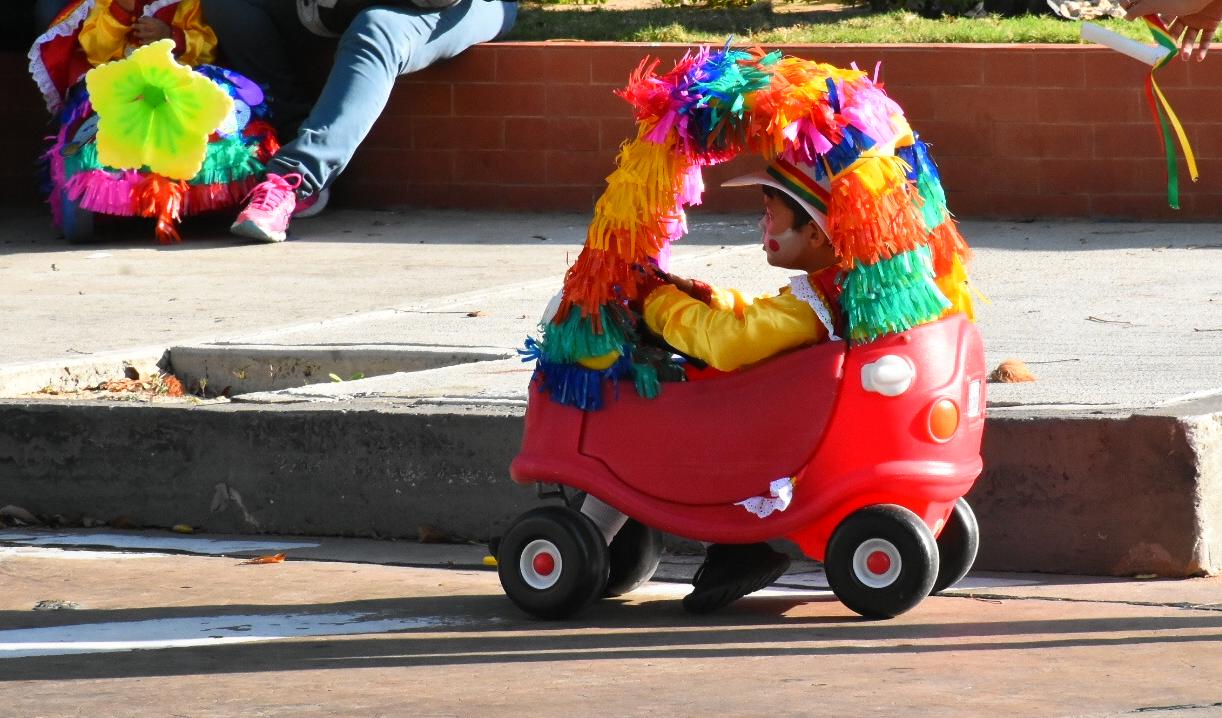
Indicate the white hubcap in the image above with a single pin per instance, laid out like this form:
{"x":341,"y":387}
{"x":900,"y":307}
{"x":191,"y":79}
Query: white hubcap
{"x":877,"y":563}
{"x":540,"y":564}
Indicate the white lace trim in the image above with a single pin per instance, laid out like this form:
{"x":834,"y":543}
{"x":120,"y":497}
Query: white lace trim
{"x":38,"y":70}
{"x":780,"y":494}
{"x":800,"y":285}
{"x":156,"y":6}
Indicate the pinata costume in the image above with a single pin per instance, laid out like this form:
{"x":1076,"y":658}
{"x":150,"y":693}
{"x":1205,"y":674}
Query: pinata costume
{"x":833,"y":140}
{"x":149,"y":131}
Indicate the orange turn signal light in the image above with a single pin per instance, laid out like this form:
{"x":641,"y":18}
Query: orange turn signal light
{"x":943,"y":420}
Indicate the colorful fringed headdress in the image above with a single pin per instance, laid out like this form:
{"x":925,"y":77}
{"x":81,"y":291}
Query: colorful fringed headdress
{"x":832,"y":139}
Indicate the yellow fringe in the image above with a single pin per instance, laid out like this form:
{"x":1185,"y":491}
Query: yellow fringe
{"x":957,"y":288}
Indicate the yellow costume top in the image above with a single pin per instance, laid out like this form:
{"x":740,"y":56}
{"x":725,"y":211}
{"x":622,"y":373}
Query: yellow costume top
{"x":732,"y":332}
{"x":104,"y":34}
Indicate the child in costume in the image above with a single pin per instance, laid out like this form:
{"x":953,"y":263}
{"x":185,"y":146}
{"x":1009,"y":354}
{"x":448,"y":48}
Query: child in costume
{"x":90,"y":33}
{"x":852,"y":200}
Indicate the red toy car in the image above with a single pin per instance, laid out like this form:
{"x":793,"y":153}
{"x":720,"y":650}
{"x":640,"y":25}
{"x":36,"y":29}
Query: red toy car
{"x":881,"y":441}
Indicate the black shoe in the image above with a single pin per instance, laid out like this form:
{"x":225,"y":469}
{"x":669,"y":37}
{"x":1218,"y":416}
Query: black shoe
{"x":731,"y":571}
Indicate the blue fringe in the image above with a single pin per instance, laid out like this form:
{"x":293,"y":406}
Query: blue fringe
{"x":573,"y":384}
{"x":848,"y":150}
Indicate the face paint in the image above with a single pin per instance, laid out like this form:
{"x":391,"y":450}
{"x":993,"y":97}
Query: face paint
{"x":782,"y":247}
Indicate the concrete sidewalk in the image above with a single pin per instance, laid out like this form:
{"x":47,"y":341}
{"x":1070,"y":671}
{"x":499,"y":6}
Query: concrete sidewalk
{"x":156,"y":624}
{"x":1111,"y":462}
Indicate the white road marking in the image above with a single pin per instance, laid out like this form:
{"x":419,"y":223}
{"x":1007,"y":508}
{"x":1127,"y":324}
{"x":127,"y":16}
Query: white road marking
{"x":200,"y":631}
{"x":141,"y":542}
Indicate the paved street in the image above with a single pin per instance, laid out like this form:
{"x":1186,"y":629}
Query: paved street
{"x":426,"y":631}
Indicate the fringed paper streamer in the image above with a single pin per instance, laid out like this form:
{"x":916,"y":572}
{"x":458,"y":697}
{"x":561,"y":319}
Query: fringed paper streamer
{"x":572,"y":384}
{"x":955,"y":285}
{"x":228,"y":159}
{"x":792,"y":117}
{"x":1167,"y":120}
{"x":84,"y":159}
{"x":891,"y":296}
{"x":265,"y":137}
{"x":645,"y":379}
{"x":202,"y":198}
{"x":728,"y":78}
{"x":638,"y":215}
{"x":946,"y":244}
{"x":874,"y":212}
{"x":57,"y":176}
{"x":105,"y":191}
{"x":575,"y":337}
{"x":867,"y":108}
{"x":924,"y":174}
{"x":160,"y":197}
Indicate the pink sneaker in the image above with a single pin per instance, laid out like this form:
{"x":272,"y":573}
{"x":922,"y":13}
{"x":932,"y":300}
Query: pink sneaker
{"x":313,"y":205}
{"x":269,"y":206}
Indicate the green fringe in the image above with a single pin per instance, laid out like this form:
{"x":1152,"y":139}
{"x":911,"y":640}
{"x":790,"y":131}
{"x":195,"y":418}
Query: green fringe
{"x":891,"y":296}
{"x":725,"y":94}
{"x":228,"y":160}
{"x":645,"y":377}
{"x":575,"y":339}
{"x":933,"y":207}
{"x":83,"y":160}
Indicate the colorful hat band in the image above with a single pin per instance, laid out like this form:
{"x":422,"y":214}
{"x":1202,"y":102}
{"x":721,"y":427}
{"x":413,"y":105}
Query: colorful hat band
{"x":800,"y":183}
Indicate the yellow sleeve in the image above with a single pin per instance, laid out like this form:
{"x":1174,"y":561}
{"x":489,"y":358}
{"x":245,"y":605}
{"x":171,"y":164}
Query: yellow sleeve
{"x":198,"y":38}
{"x":103,"y":36}
{"x":729,"y":300}
{"x":728,"y":339}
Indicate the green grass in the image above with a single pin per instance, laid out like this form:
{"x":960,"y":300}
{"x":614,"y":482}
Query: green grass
{"x":759,"y":24}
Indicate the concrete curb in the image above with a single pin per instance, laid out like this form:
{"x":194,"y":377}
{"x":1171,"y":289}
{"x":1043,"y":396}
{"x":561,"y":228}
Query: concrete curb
{"x":377,"y":469}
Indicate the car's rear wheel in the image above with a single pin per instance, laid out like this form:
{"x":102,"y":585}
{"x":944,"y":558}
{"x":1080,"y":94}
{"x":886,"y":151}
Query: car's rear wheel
{"x":957,"y":546}
{"x":634,"y":556}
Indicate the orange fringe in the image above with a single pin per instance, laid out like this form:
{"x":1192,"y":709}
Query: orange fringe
{"x":945,"y":243}
{"x":868,"y":224}
{"x":161,"y":197}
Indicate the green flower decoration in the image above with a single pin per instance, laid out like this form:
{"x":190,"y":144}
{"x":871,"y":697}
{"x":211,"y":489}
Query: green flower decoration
{"x":154,"y":112}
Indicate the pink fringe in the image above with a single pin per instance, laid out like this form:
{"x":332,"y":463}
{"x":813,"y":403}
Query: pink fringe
{"x":114,"y":193}
{"x":105,"y":192}
{"x":55,"y":161}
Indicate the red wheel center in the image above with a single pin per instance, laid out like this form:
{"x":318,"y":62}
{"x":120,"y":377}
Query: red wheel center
{"x":877,"y":562}
{"x":544,"y":564}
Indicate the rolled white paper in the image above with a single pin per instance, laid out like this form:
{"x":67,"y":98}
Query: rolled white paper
{"x":1149,"y":54}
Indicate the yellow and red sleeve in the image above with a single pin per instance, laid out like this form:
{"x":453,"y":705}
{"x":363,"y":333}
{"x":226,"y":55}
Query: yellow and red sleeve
{"x":732,"y":332}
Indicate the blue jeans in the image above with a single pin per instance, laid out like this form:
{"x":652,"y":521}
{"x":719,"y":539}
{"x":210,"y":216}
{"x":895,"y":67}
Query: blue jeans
{"x":381,"y":44}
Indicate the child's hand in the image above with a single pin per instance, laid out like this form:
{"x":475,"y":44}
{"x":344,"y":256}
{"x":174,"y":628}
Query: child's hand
{"x":150,"y":29}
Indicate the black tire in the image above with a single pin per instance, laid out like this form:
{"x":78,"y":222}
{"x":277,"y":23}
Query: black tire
{"x":77,"y":223}
{"x":634,"y":556}
{"x":900,"y":579}
{"x":957,"y":546}
{"x":578,"y":574}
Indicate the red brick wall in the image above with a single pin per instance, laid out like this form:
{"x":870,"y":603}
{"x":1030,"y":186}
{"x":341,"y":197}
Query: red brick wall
{"x":1019,"y":131}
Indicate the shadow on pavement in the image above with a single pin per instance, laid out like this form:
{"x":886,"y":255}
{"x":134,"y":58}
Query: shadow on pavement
{"x":484,"y":629}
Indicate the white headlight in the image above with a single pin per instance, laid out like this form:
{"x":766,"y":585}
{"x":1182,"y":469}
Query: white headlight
{"x":891,"y":375}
